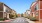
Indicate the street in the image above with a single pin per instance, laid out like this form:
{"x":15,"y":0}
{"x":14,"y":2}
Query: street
{"x":18,"y":20}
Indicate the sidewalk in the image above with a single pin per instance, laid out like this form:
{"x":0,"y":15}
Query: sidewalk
{"x":29,"y":20}
{"x":7,"y":20}
{"x":38,"y":21}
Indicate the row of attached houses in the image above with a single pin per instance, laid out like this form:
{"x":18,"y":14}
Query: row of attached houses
{"x":27,"y":13}
{"x":5,"y":10}
{"x":36,"y":9}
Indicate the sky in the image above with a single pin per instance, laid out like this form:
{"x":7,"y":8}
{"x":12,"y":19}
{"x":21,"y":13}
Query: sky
{"x":20,"y":6}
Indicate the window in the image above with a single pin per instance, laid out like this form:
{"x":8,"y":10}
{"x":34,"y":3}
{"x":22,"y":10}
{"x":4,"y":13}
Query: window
{"x":36,"y":13}
{"x":7,"y":10}
{"x":36,"y":7}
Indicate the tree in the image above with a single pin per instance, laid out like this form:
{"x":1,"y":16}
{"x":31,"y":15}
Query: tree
{"x":11,"y":16}
{"x":22,"y":15}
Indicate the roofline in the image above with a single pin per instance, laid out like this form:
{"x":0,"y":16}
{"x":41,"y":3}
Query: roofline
{"x":32,"y":3}
{"x":7,"y":6}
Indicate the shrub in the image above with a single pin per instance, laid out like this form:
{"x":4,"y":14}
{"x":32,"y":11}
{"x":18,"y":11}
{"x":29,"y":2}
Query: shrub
{"x":11,"y":16}
{"x":33,"y":19}
{"x":1,"y":19}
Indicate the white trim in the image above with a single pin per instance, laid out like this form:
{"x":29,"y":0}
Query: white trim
{"x":39,"y":11}
{"x":3,"y":11}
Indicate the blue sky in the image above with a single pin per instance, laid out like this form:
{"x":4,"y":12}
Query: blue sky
{"x":20,"y":6}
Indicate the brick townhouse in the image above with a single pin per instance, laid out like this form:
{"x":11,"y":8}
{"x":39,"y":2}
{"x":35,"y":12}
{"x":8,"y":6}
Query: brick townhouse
{"x":4,"y":10}
{"x":36,"y":9}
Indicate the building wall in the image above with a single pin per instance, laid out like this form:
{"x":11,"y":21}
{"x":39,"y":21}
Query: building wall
{"x":1,"y":10}
{"x":33,"y":9}
{"x":1,"y":6}
{"x":40,"y":4}
{"x":40,"y":9}
{"x":1,"y":14}
{"x":5,"y":10}
{"x":35,"y":12}
{"x":40,"y":14}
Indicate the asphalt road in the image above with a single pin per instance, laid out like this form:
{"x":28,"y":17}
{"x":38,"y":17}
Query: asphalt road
{"x":18,"y":20}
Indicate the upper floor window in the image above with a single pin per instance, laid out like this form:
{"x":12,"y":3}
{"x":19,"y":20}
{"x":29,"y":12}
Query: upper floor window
{"x":36,"y":7}
{"x":7,"y":10}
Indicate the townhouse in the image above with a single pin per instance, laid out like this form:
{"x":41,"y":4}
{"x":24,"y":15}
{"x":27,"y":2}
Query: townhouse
{"x":24,"y":14}
{"x":28,"y":12}
{"x":12,"y":13}
{"x":36,"y":9}
{"x":5,"y":10}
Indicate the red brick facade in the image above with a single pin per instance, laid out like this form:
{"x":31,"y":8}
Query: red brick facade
{"x":39,"y":11}
{"x":1,"y":6}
